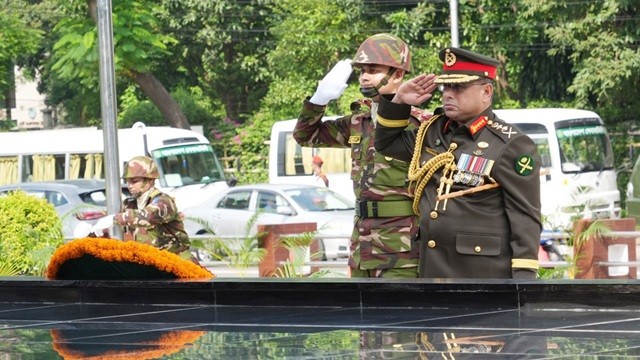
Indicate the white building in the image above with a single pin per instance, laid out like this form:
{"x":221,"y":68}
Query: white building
{"x":30,"y":107}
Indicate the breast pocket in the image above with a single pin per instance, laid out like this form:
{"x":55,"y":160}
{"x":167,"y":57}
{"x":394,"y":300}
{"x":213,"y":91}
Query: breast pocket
{"x":389,"y":171}
{"x":479,"y":245}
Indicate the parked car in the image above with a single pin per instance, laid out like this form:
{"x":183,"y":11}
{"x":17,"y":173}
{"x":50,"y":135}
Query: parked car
{"x":633,"y":193}
{"x":75,"y":201}
{"x":227,"y":214}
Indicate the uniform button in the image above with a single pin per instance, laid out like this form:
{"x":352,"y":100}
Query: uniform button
{"x":431,"y":243}
{"x":433,"y":214}
{"x":453,"y":146}
{"x":477,"y":249}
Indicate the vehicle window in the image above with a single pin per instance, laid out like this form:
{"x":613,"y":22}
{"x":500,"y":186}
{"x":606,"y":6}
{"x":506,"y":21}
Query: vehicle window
{"x":269,"y":202}
{"x":43,"y":167}
{"x":298,"y":159}
{"x":55,"y":198}
{"x":238,"y":200}
{"x":319,"y":199}
{"x":96,"y":198}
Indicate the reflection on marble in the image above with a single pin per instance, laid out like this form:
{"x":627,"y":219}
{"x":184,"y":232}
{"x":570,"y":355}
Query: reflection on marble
{"x":348,"y":319}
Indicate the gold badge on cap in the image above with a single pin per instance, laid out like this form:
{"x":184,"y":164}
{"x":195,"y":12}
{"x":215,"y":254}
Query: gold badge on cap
{"x":449,"y":58}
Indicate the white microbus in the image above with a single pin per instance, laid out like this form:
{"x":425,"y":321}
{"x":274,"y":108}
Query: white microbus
{"x":189,"y":169}
{"x":289,"y":163}
{"x":577,"y":171}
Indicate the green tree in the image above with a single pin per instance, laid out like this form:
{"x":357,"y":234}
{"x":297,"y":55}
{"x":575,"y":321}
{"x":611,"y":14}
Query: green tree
{"x":223,"y":44}
{"x":139,"y":50}
{"x":17,"y":39}
{"x":600,"y":39}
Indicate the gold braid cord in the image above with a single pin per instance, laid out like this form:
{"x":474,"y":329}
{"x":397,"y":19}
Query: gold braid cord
{"x":422,"y":174}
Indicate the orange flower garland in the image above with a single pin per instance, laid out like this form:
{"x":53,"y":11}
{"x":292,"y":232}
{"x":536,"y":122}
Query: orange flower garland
{"x":167,"y":344}
{"x":126,"y":251}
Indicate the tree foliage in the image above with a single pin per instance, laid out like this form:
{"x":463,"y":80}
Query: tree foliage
{"x":253,"y":62}
{"x":17,"y":39}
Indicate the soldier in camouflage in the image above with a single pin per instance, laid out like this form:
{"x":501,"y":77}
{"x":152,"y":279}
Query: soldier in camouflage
{"x":382,"y":242}
{"x":150,"y":216}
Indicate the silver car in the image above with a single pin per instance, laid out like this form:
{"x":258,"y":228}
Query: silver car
{"x":75,"y":201}
{"x":228,"y":214}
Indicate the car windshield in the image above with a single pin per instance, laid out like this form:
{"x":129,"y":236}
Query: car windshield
{"x":584,"y":149}
{"x":319,"y":199}
{"x":188,"y":164}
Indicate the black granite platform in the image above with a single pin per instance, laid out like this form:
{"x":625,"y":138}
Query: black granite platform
{"x":261,"y":318}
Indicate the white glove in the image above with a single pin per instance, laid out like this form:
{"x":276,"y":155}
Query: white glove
{"x":82,"y":230}
{"x":104,"y":223}
{"x":333,"y":84}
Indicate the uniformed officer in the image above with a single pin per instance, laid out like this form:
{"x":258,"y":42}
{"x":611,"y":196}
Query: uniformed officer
{"x":150,"y":216}
{"x":382,"y":242}
{"x":478,"y":185}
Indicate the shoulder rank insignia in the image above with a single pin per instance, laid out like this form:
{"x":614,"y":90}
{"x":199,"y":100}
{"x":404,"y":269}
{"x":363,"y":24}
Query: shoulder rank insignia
{"x":505,"y":129}
{"x":355,"y":139}
{"x":524,"y":165}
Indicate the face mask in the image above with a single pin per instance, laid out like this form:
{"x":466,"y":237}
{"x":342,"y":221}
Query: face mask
{"x":372,"y":92}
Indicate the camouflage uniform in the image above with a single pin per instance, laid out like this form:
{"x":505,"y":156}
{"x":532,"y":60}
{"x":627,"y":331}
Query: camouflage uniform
{"x":382,"y":242}
{"x":379,"y":242}
{"x":153,"y":217}
{"x":157,"y":224}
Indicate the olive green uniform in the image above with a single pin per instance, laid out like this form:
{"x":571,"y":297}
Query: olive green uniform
{"x":493,"y":233}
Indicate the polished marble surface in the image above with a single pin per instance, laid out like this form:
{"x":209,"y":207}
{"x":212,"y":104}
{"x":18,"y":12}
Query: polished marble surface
{"x":319,"y":319}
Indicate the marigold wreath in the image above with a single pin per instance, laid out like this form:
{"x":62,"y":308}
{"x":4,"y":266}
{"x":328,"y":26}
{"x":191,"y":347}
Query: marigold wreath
{"x":148,"y":345}
{"x":100,"y":259}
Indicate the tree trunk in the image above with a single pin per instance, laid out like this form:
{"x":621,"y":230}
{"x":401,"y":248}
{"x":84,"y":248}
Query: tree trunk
{"x":161,"y":98}
{"x":153,"y":88}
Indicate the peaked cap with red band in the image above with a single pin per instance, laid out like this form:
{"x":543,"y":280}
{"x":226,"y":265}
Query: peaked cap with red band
{"x":463,"y":66}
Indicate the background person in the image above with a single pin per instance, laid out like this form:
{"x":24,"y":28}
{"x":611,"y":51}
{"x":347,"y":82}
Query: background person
{"x":149,"y":216}
{"x":321,"y":178}
{"x":490,"y":225}
{"x":385,"y":225}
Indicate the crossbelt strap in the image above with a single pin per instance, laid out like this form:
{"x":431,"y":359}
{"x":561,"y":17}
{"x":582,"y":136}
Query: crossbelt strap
{"x":389,"y":208}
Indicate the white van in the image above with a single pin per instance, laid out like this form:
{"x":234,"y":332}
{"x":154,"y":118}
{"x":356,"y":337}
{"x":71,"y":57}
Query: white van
{"x":189,"y":169}
{"x":577,"y":178}
{"x":289,"y":163}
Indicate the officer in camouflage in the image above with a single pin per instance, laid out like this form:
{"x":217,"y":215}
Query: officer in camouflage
{"x":382,"y":242}
{"x":150,"y":216}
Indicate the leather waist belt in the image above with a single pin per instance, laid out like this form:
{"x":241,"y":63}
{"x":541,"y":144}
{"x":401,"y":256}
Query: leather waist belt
{"x":389,"y":208}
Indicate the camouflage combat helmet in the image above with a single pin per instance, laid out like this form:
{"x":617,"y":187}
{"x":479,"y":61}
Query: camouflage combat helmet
{"x":384,"y":49}
{"x":141,"y":166}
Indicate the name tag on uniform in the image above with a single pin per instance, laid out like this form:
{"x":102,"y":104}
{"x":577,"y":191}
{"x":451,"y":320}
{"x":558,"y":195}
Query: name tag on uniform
{"x":355,"y":139}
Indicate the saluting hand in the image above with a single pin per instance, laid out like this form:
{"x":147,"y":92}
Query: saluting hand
{"x":333,"y":84}
{"x":415,"y":91}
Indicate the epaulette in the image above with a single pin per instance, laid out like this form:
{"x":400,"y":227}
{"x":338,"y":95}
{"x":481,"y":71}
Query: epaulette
{"x":502,"y":129}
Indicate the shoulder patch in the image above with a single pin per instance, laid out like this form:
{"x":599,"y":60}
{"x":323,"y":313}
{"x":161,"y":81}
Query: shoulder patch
{"x":524,"y":165}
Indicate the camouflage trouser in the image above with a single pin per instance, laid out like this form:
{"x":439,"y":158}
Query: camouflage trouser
{"x":411,"y":272}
